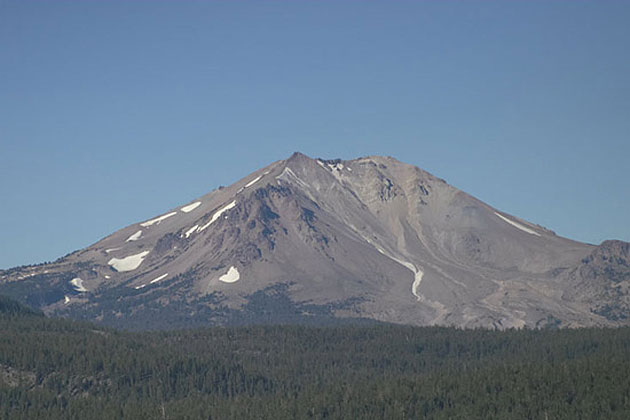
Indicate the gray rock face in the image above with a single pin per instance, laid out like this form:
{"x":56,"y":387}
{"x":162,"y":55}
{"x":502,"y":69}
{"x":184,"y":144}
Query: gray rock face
{"x":311,"y":240}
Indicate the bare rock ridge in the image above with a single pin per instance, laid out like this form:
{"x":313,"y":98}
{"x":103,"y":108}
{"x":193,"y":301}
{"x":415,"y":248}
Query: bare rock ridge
{"x":319,"y":241}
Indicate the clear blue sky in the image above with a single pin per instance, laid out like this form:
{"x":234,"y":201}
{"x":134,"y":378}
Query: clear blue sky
{"x":113,"y":112}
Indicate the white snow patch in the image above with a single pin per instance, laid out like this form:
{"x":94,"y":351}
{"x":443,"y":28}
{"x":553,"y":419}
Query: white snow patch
{"x":190,"y":231}
{"x":128,"y":263}
{"x":320,"y":163}
{"x":135,"y":236}
{"x":252,"y":182}
{"x":112,"y":250}
{"x":417,"y":278}
{"x":158,"y":278}
{"x":518,"y":225}
{"x":140,"y":287}
{"x":158,"y":219}
{"x":335,"y":169}
{"x":77,"y":283}
{"x":216,"y":215}
{"x":231,"y":276}
{"x":349,"y":169}
{"x":66,"y":300}
{"x":106,"y":276}
{"x":417,"y":273}
{"x":190,"y":207}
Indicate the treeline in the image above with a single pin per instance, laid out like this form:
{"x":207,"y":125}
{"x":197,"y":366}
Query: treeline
{"x":10,"y":307}
{"x":60,"y":369}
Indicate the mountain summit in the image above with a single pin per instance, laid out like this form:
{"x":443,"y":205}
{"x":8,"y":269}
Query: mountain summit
{"x":320,"y":241}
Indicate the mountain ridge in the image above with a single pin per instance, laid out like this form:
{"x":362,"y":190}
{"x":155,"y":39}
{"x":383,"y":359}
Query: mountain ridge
{"x":369,"y":238}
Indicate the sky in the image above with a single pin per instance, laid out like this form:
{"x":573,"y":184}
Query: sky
{"x":113,"y":112}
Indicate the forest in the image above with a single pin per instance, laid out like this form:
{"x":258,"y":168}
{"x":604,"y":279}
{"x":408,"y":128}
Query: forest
{"x":63,"y":369}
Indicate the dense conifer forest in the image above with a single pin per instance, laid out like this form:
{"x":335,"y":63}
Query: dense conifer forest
{"x":61,"y":369}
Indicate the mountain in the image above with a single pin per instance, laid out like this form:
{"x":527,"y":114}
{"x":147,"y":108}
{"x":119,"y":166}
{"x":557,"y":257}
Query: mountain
{"x":327,"y":241}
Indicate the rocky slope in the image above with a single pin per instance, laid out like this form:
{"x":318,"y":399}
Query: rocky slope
{"x":319,"y":241}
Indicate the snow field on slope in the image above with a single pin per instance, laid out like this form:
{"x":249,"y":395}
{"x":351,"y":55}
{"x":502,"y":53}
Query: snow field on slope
{"x":216,"y":215}
{"x":158,"y":278}
{"x":518,"y":225}
{"x":231,"y":276}
{"x":135,"y":236}
{"x":128,"y":263}
{"x":77,"y":283}
{"x":190,"y":207}
{"x":190,"y":231}
{"x":252,"y":182}
{"x":158,"y":219}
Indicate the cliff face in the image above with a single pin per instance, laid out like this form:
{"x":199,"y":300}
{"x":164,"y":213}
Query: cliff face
{"x":602,"y":281}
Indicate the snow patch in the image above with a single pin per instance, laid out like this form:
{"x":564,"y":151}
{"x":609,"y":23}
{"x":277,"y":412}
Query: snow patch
{"x":128,"y":263}
{"x":77,"y":283}
{"x":158,"y":278}
{"x":216,"y":215}
{"x":107,"y":251}
{"x":191,"y":207}
{"x":335,"y":169}
{"x":66,"y":300}
{"x":190,"y":231}
{"x":417,"y":279}
{"x":252,"y":182}
{"x":140,"y":287}
{"x":518,"y":225}
{"x":231,"y":276}
{"x":135,"y":236}
{"x":106,"y":276}
{"x":158,"y":219}
{"x":417,"y":273}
